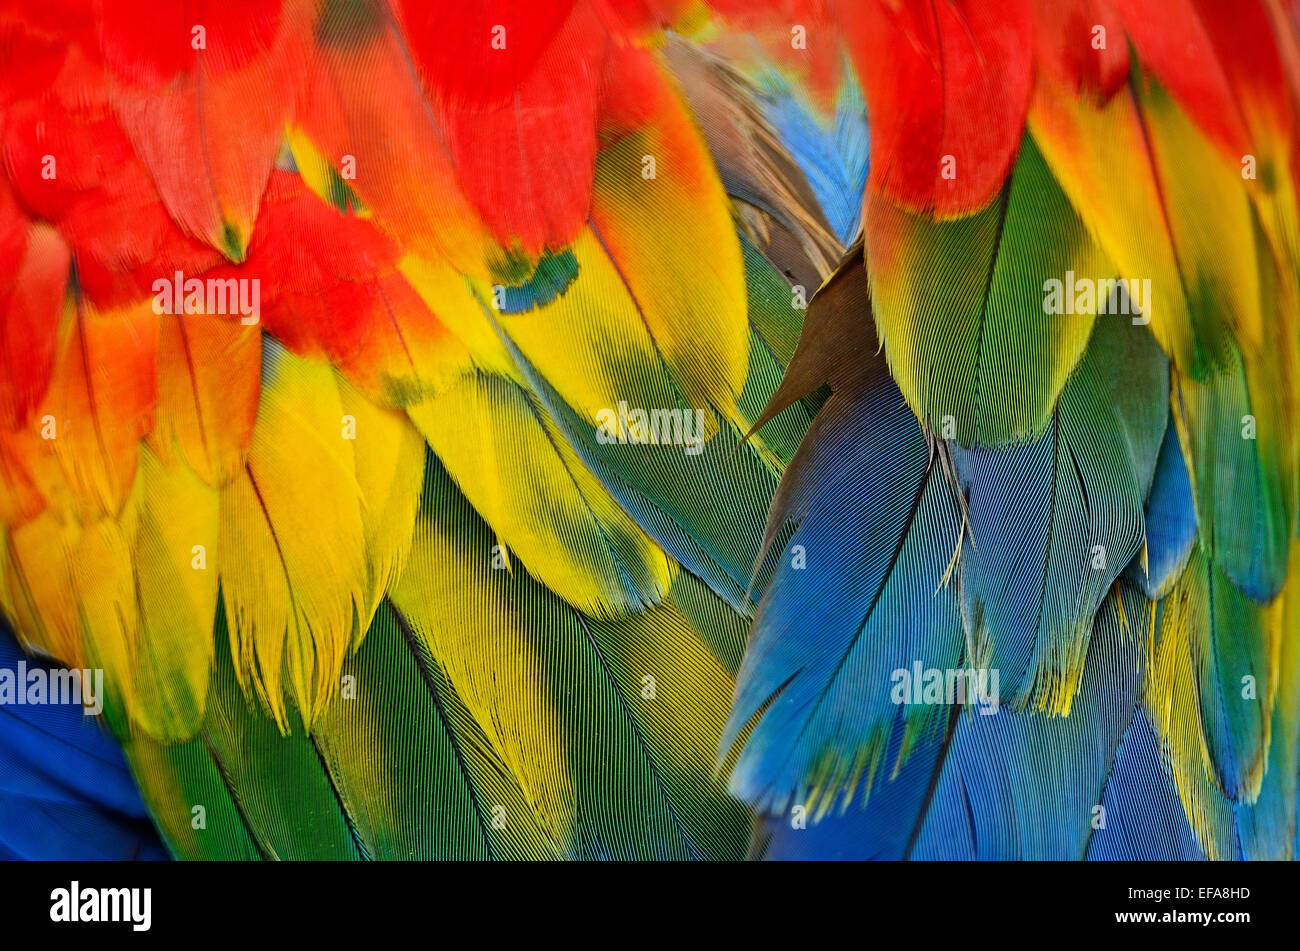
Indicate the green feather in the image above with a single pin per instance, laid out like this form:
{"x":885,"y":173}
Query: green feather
{"x":609,"y":724}
{"x":960,"y":306}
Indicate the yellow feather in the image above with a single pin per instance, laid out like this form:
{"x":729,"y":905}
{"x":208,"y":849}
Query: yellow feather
{"x":316,"y":171}
{"x":1170,"y":701}
{"x":480,"y":639}
{"x":293,"y":568}
{"x":592,"y":344}
{"x":388,"y":453}
{"x":1185,"y":656}
{"x":207,"y":393}
{"x":692,"y":690}
{"x":1209,"y":217}
{"x":660,"y":229}
{"x":177,"y":571}
{"x":72,"y":587}
{"x":532,"y":672}
{"x":453,"y":301}
{"x":104,"y":579}
{"x":533,"y":490}
{"x":40,"y":587}
{"x":1100,"y":158}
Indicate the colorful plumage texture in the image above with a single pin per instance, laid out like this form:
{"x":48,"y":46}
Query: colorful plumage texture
{"x":650,"y":429}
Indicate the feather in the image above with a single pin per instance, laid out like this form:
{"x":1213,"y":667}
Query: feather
{"x":1181,"y":54}
{"x":1143,"y":818}
{"x":1170,"y":520}
{"x":20,"y":499}
{"x":81,"y":446}
{"x":1170,"y":698}
{"x":1268,"y":826}
{"x":101,"y":567}
{"x":209,"y":374}
{"x":552,"y":688}
{"x":542,"y":503}
{"x":1229,"y":645}
{"x":592,"y":342}
{"x":1136,"y":161}
{"x":38,"y":580}
{"x":659,"y":221}
{"x":946,"y":87}
{"x":388,"y":572}
{"x":421,"y":779}
{"x":962,"y":307}
{"x":834,"y":343}
{"x":243,"y":789}
{"x":761,"y":35}
{"x":1030,"y":804}
{"x":834,"y":159}
{"x":673,"y":492}
{"x":455,"y":53}
{"x":1142,"y":213}
{"x":210,"y":88}
{"x":58,"y":149}
{"x":71,"y":587}
{"x":984,"y":786}
{"x":753,"y":164}
{"x":292,"y":546}
{"x":67,"y":794}
{"x":176,"y":594}
{"x":817,"y":674}
{"x":392,"y":749}
{"x":331,"y":285}
{"x":524,"y":156}
{"x":1054,"y":523}
{"x":1095,"y":69}
{"x":1242,"y":471}
{"x":31,"y":300}
{"x":366,"y":112}
{"x":388,"y":455}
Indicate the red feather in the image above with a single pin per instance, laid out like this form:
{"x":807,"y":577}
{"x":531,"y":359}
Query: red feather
{"x":206,"y":111}
{"x":330,"y":286}
{"x":477,"y":52}
{"x":1174,"y":46}
{"x":71,"y":164}
{"x":527,"y":163}
{"x":947,"y":88}
{"x":31,"y":301}
{"x":1069,"y":48}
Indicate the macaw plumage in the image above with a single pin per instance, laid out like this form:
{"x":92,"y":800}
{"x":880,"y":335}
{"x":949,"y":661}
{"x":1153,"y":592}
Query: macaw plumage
{"x":589,"y":429}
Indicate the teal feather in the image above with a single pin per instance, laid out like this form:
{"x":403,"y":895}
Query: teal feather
{"x":1170,"y":521}
{"x":1144,"y":819}
{"x":839,"y":617}
{"x":1054,"y":522}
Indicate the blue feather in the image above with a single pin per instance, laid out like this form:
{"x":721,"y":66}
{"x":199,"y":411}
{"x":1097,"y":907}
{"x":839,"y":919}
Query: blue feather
{"x":859,"y":594}
{"x":1144,"y":817}
{"x":1025,"y":785}
{"x":65,"y":790}
{"x":1054,"y":522}
{"x":1007,"y":785}
{"x":832,"y":157}
{"x":881,"y":828}
{"x":1170,"y":521}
